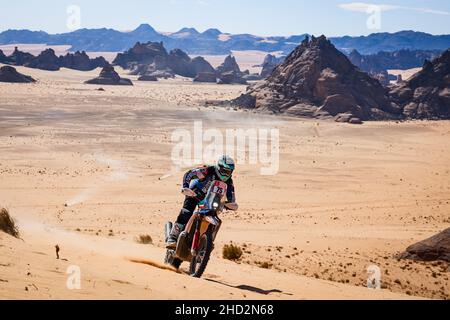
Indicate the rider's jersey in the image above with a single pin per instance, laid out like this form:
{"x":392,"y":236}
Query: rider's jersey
{"x":200,"y":179}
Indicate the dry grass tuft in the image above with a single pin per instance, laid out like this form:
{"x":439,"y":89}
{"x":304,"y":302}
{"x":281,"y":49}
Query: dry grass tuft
{"x":232,"y":252}
{"x":144,"y":239}
{"x":7,"y":224}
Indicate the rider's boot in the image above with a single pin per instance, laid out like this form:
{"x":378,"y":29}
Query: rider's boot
{"x":174,"y":234}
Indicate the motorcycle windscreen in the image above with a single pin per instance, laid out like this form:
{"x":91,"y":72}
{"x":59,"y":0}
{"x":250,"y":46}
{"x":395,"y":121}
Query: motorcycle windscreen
{"x":215,"y":198}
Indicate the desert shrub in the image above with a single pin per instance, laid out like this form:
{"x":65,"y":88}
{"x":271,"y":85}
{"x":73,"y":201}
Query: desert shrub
{"x":7,"y":223}
{"x":232,"y":252}
{"x":144,"y":239}
{"x":265,"y":265}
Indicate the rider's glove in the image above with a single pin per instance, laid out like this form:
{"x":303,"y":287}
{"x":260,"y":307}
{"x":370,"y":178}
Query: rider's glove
{"x":188,"y":193}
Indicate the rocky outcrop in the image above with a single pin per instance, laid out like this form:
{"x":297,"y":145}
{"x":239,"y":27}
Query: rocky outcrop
{"x":10,"y":74}
{"x":20,"y":58}
{"x":377,"y":65}
{"x":147,"y":53}
{"x":269,"y":64}
{"x":229,"y":65}
{"x":4,"y":58}
{"x":200,"y":65}
{"x":383,"y":61}
{"x":432,"y":249}
{"x":252,"y":77}
{"x":426,"y":95}
{"x":147,"y":78}
{"x":161,"y":74}
{"x":108,"y":76}
{"x":232,"y":77}
{"x":150,"y":58}
{"x":46,"y":60}
{"x":209,"y":77}
{"x":81,"y":61}
{"x":230,"y":73}
{"x":317,"y":80}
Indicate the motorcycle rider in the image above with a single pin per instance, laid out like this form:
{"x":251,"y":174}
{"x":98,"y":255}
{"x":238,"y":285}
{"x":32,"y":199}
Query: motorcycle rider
{"x":199,"y":180}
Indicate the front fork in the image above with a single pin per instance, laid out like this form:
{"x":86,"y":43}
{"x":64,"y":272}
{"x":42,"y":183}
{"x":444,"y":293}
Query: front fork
{"x":196,"y":239}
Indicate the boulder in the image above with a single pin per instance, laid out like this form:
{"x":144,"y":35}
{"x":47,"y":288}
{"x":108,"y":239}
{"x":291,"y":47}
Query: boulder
{"x":341,"y":103}
{"x":231,"y":77}
{"x":344,"y":117}
{"x":147,"y":78}
{"x":209,"y":77}
{"x":108,"y":76}
{"x":355,"y":121}
{"x":432,"y":249}
{"x":161,"y":74}
{"x":10,"y":74}
{"x":252,"y":77}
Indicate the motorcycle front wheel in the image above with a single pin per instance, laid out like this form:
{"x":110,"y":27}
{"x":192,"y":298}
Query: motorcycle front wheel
{"x":200,"y":261}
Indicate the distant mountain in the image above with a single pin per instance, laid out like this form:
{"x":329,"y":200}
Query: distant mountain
{"x":377,"y":42}
{"x":213,"y":41}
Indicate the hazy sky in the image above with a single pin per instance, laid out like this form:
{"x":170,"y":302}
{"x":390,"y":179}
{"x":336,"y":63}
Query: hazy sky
{"x":260,"y":17}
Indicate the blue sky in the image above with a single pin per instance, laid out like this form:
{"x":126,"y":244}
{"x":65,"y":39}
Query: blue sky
{"x":260,"y":17}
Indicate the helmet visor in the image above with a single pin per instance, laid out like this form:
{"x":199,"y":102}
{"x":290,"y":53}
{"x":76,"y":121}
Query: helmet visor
{"x":225,"y":171}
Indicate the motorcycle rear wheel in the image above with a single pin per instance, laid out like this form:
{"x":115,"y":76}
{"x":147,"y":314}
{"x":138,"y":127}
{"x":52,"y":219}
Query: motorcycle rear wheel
{"x":200,"y":261}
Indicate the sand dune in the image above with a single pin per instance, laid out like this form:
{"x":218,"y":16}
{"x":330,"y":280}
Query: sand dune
{"x":82,"y":168}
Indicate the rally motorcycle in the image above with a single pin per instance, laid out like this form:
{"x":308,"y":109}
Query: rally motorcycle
{"x":196,"y":242}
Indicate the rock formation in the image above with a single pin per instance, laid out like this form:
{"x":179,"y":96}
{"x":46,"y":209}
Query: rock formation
{"x":200,"y":65}
{"x":46,"y":60}
{"x":432,"y":249}
{"x":20,"y":58}
{"x":209,"y":77}
{"x":252,"y":77}
{"x":317,"y":80}
{"x":150,"y":59}
{"x":81,"y":61}
{"x":108,"y":76}
{"x":383,"y":61}
{"x":10,"y":74}
{"x":4,"y":58}
{"x":148,"y":78}
{"x":230,"y":73}
{"x":377,"y":65}
{"x":269,"y":64}
{"x":426,"y":95}
{"x":229,"y":65}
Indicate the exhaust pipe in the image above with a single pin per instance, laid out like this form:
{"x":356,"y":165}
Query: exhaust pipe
{"x":168,"y":229}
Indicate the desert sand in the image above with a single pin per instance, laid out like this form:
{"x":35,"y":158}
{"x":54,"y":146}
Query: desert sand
{"x":406,"y":74}
{"x":90,"y":170}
